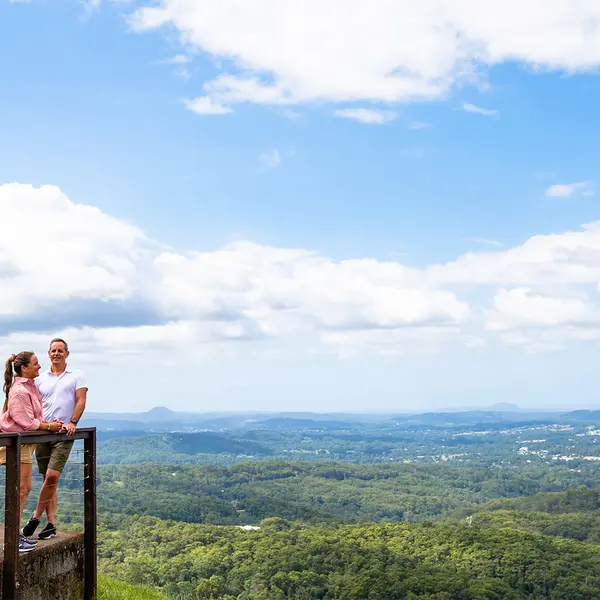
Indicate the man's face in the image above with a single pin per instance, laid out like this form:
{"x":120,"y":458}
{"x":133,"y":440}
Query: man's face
{"x":58,"y":353}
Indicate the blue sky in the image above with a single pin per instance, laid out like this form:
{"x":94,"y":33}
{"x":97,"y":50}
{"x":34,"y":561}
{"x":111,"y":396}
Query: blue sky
{"x":346,"y":224}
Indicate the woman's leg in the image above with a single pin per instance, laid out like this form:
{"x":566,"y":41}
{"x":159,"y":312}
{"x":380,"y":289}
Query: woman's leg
{"x":25,"y":485}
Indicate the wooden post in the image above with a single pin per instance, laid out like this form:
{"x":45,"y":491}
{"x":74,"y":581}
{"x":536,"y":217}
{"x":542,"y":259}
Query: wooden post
{"x":12,"y":514}
{"x":89,"y":532}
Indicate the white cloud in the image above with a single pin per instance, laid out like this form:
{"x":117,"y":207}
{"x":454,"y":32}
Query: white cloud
{"x":270,"y":159}
{"x":539,"y":295}
{"x":206,"y":106}
{"x":73,"y":252}
{"x":486,"y":112}
{"x":115,"y":343}
{"x":240,"y":292}
{"x":567,"y":190}
{"x":179,"y":59}
{"x":366,"y":115}
{"x":522,"y":307}
{"x":289,"y":52}
{"x":263,"y":284}
{"x":572,"y":257}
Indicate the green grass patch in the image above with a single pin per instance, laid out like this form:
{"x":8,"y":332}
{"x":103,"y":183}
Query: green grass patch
{"x":111,"y":589}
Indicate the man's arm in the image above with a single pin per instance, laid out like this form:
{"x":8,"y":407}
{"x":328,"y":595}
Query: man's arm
{"x":80,"y":399}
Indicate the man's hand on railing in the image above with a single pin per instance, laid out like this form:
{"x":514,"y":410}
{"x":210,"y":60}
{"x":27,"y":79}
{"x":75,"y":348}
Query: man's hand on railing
{"x":70,"y":428}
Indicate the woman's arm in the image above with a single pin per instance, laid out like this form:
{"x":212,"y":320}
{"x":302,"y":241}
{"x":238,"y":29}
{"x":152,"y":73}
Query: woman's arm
{"x":23,"y":414}
{"x":20,"y":407}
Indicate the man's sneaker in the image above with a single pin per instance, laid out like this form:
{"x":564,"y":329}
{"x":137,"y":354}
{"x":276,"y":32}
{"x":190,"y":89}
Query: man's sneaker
{"x":30,"y":528}
{"x":48,"y":532}
{"x":25,"y":545}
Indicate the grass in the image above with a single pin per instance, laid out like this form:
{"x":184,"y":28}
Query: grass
{"x":110,"y":589}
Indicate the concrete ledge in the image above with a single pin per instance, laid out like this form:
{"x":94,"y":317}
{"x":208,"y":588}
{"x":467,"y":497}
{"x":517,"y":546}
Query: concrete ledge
{"x":53,"y":571}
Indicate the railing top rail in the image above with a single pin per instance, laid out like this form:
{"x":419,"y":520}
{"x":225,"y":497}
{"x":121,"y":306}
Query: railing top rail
{"x":41,"y":437}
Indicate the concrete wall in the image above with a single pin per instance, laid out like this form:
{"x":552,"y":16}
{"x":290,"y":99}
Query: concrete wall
{"x":53,"y":571}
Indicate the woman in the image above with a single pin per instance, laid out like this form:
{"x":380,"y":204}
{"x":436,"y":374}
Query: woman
{"x":23,"y":412}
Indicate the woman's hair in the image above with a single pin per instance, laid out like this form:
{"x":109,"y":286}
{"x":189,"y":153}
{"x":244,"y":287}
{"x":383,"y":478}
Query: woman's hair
{"x":16,"y":362}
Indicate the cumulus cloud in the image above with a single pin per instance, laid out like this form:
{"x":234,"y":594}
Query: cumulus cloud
{"x":251,"y":281}
{"x":206,"y":106}
{"x":104,"y":282}
{"x":523,"y":308}
{"x":70,"y":251}
{"x":568,"y":190}
{"x":244,"y":291}
{"x":478,"y":110}
{"x":571,"y":257}
{"x":366,"y":115}
{"x":289,"y":52}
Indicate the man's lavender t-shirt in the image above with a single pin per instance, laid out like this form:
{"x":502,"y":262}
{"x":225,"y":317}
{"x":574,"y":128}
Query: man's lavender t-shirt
{"x":58,"y":393}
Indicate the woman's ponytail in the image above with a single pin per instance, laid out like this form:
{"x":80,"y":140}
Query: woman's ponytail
{"x":8,"y":379}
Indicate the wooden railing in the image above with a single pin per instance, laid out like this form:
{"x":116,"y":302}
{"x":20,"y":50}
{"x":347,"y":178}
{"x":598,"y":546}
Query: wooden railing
{"x":13,"y":442}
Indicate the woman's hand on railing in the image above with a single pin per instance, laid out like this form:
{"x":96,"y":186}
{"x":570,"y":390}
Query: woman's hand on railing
{"x":54,"y":426}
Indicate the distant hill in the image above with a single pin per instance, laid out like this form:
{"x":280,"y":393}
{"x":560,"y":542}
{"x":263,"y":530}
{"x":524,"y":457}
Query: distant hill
{"x":504,"y":407}
{"x":173,"y":448}
{"x":585,"y":416}
{"x":161,"y":413}
{"x":476,"y":418}
{"x":285,"y":423}
{"x":163,"y":420}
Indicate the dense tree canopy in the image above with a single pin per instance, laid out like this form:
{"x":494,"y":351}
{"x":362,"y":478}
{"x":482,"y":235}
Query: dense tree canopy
{"x":350,"y":562}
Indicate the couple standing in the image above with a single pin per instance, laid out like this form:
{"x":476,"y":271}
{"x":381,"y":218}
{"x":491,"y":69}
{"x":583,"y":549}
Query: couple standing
{"x":53,"y":401}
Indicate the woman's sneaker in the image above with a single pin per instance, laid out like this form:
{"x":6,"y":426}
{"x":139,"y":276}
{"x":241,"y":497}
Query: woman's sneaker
{"x":48,"y":532}
{"x":25,"y":545}
{"x":30,"y":528}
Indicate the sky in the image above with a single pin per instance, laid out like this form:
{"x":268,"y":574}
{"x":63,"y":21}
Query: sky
{"x":320,"y":205}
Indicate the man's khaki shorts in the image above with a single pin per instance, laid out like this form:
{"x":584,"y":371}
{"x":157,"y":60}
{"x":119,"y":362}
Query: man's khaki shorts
{"x":53,"y":455}
{"x":26,"y":454}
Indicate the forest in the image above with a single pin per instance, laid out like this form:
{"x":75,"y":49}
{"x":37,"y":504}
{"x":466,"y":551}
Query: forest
{"x":443,"y":511}
{"x":351,"y":562}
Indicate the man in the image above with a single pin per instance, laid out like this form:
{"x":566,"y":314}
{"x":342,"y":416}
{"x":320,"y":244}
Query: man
{"x":64,"y":393}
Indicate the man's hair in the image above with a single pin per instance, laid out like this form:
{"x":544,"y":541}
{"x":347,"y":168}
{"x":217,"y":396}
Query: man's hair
{"x":61,"y":341}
